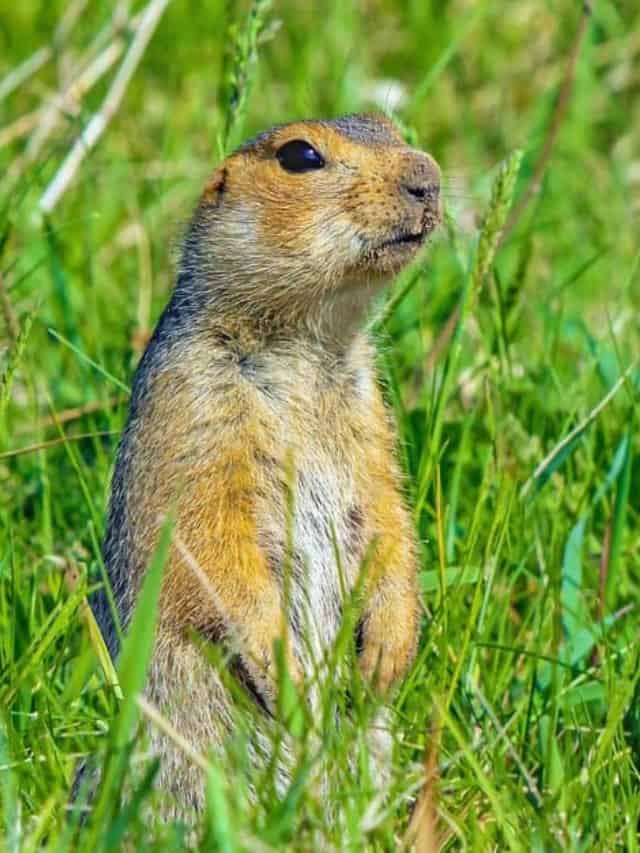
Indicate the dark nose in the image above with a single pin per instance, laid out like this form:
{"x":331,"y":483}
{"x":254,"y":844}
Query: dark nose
{"x":425,"y":192}
{"x":421,"y":179}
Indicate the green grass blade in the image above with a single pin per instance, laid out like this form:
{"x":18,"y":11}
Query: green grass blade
{"x":9,"y":795}
{"x":618,"y":524}
{"x":87,"y":360}
{"x":221,"y":833}
{"x":14,"y":357}
{"x":132,"y":670}
{"x":502,"y":192}
{"x":574,"y":612}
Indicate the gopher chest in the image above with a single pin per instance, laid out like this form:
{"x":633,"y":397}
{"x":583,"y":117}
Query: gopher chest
{"x":316,"y":547}
{"x":312,"y":517}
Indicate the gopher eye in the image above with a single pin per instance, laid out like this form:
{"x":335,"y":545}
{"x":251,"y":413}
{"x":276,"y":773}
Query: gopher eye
{"x":299,"y":156}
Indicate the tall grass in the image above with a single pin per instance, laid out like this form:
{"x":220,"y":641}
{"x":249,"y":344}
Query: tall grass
{"x":510,"y":358}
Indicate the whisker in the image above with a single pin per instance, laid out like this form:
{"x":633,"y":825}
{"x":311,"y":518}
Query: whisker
{"x":463,"y":197}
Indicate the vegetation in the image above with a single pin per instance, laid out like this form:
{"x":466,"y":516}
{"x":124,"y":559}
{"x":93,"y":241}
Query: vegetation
{"x":509,"y":354}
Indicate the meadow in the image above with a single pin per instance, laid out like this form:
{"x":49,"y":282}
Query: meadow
{"x":509,"y":354}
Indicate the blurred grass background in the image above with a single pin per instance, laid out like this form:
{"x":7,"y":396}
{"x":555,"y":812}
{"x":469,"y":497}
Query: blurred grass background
{"x":529,"y":654}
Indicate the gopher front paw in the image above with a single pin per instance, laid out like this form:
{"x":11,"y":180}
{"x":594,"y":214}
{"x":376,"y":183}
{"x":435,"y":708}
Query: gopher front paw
{"x":386,"y":657}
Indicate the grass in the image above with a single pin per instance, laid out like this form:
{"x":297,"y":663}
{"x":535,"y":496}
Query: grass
{"x":526,"y":492}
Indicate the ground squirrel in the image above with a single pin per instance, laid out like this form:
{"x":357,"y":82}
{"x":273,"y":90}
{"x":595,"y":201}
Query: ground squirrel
{"x":259,"y":382}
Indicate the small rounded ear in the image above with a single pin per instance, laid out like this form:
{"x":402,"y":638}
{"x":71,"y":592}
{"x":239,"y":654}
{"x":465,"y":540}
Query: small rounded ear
{"x":214,"y":187}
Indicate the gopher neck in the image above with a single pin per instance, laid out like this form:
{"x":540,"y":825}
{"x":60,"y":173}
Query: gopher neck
{"x":332,"y":323}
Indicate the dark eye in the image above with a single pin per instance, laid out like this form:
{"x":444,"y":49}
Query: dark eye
{"x":299,"y":156}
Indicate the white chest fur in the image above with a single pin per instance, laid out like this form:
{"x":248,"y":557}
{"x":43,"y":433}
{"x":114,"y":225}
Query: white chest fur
{"x":313,"y":529}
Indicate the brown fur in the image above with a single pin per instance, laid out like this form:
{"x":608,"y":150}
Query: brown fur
{"x":257,"y":381}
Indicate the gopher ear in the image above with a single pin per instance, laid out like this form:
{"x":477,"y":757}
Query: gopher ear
{"x":215,"y":186}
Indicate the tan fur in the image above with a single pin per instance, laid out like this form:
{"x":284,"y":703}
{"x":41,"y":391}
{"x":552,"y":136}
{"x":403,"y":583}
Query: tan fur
{"x":256,"y":414}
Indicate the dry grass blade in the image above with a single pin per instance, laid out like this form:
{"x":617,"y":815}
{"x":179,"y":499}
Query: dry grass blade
{"x":76,"y":412}
{"x":442,"y":340}
{"x":503,"y":735}
{"x":422,"y":833}
{"x":37,"y":60}
{"x":69,"y":100}
{"x":96,"y":61}
{"x":43,"y":445}
{"x":163,"y":725}
{"x":19,"y":128}
{"x":577,"y":431}
{"x":98,"y":123}
{"x":72,"y":581}
{"x":557,"y":118}
{"x":26,"y":69}
{"x":532,"y":188}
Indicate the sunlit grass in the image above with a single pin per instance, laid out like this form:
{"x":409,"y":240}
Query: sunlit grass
{"x":519,"y":430}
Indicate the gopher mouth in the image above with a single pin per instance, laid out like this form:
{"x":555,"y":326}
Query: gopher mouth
{"x":404,"y":239}
{"x":391,"y":253}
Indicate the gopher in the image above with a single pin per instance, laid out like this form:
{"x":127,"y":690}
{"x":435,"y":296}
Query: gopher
{"x":256,"y":418}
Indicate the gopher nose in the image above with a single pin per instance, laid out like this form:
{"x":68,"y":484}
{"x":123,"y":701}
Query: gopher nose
{"x":421,"y":179}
